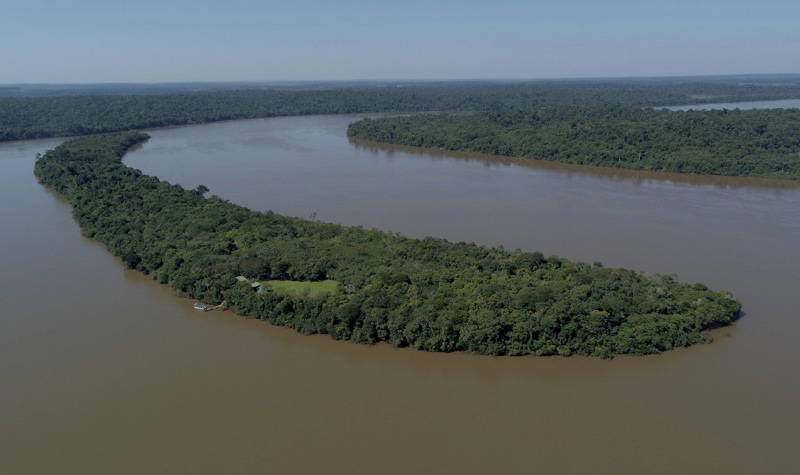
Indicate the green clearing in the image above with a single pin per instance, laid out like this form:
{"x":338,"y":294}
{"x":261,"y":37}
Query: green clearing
{"x":314,"y":288}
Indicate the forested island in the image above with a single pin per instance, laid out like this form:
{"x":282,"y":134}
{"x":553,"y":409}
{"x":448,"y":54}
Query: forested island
{"x":759,"y":142}
{"x":428,"y":294}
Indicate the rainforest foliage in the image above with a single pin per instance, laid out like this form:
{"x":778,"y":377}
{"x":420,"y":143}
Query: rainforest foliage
{"x":759,"y":142}
{"x":108,"y":110}
{"x":428,"y":294}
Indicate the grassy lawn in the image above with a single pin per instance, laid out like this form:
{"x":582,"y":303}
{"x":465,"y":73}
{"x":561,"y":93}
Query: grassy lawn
{"x":314,"y":288}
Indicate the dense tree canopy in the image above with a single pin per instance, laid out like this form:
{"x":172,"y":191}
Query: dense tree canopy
{"x":428,"y":294}
{"x":763,"y":142}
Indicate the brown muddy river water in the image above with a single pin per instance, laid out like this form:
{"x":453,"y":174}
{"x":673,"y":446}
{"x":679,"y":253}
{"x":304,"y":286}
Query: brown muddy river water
{"x":103,"y":370}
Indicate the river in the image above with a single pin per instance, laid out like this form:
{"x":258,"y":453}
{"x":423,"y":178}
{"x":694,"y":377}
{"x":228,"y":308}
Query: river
{"x":775,"y":104}
{"x":105,"y":371}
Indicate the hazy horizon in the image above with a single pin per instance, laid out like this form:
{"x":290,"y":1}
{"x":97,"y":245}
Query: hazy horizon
{"x":90,"y":42}
{"x":288,"y":82}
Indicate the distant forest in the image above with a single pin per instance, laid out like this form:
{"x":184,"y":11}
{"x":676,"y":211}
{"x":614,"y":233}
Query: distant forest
{"x":59,"y":111}
{"x":428,"y":294}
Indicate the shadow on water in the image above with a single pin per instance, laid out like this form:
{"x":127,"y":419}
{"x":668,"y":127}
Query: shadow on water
{"x":621,"y":174}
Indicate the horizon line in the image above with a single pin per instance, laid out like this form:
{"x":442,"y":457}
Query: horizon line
{"x":385,"y":80}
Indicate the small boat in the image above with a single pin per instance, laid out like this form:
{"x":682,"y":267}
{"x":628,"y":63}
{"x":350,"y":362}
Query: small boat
{"x":199,"y":306}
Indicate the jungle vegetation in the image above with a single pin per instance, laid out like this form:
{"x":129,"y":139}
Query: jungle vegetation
{"x":428,"y":294}
{"x":758,"y":142}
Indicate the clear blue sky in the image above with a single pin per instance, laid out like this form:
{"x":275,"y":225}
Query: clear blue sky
{"x":82,"y":41}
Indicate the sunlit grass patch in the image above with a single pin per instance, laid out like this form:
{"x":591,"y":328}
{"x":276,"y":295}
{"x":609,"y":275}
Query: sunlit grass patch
{"x":313,"y":288}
